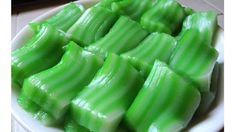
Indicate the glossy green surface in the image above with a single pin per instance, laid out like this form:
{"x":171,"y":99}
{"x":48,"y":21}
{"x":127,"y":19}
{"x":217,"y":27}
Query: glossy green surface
{"x":42,"y":51}
{"x":102,"y":104}
{"x":54,"y":88}
{"x":165,"y":16}
{"x":132,"y":8}
{"x":204,"y":22}
{"x":106,"y":3}
{"x":165,"y":103}
{"x":123,"y":36}
{"x":155,"y":46}
{"x":61,"y":79}
{"x":65,"y":18}
{"x":46,"y":118}
{"x":209,"y":97}
{"x":36,"y":111}
{"x":72,"y":126}
{"x":93,"y":24}
{"x":194,"y":59}
{"x":27,"y":104}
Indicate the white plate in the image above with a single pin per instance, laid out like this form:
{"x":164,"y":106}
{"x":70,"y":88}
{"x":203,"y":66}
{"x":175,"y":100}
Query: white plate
{"x":212,"y":122}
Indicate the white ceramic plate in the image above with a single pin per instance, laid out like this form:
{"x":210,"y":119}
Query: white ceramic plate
{"x":212,"y":122}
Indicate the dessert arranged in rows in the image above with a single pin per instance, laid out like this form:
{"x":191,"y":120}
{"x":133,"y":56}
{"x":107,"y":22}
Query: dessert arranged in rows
{"x":142,"y":65}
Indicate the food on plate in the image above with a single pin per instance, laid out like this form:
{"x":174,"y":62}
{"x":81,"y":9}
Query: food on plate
{"x":164,"y":16}
{"x":132,"y":8}
{"x":123,"y":36}
{"x":204,"y":22}
{"x":101,"y":105}
{"x":94,"y":23}
{"x":194,"y":58}
{"x":41,"y":52}
{"x":165,"y":103}
{"x":65,"y":18}
{"x":119,"y":65}
{"x":155,"y":46}
{"x":53,"y":89}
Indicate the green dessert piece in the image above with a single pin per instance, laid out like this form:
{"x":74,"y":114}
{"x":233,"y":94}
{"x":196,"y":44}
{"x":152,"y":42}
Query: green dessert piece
{"x":155,"y":46}
{"x":123,"y":36}
{"x":204,"y":22}
{"x":54,"y":88}
{"x":194,"y":59}
{"x":66,"y":17}
{"x":106,"y":3}
{"x":209,"y":97}
{"x":36,"y":111}
{"x":165,"y":103}
{"x":164,"y":16}
{"x":102,"y":104}
{"x":132,"y":8}
{"x":41,"y":52}
{"x":72,"y":126}
{"x":93,"y":25}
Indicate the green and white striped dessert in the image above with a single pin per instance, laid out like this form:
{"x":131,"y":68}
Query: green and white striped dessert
{"x":209,"y":97}
{"x":194,"y":59}
{"x":36,"y":111}
{"x":54,"y":88}
{"x":155,"y":46}
{"x":106,"y":3}
{"x":132,"y":8}
{"x":165,"y":103}
{"x":118,"y":66}
{"x":93,"y":25}
{"x":72,"y":126}
{"x":204,"y":22}
{"x":41,"y":52}
{"x":165,"y":16}
{"x":102,"y":104}
{"x":123,"y":36}
{"x":65,"y":18}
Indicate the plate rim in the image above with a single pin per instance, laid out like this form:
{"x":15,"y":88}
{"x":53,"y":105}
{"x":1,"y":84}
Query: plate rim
{"x":53,"y":11}
{"x":14,"y":114}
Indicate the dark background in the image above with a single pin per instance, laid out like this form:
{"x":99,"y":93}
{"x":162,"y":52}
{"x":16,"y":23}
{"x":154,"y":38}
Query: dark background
{"x":22,"y":5}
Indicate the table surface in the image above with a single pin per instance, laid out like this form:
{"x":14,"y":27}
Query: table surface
{"x":21,"y":17}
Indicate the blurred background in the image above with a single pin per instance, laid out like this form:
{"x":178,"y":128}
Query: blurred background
{"x":24,"y":11}
{"x":17,"y":4}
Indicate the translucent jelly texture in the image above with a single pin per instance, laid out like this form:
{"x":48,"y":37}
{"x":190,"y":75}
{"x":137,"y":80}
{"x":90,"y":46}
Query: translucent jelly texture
{"x":102,"y":104}
{"x":165,"y":103}
{"x":120,"y":65}
{"x":41,"y":52}
{"x":54,"y":88}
